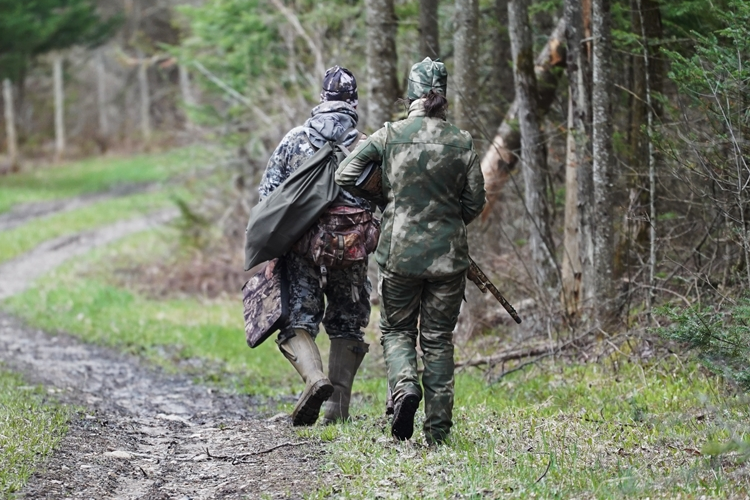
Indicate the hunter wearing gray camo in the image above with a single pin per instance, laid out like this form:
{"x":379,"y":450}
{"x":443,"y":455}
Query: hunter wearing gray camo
{"x":433,"y":187}
{"x":347,"y":290}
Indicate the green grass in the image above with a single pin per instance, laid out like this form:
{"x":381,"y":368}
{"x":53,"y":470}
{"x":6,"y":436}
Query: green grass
{"x":175,"y":332}
{"x":598,"y":430}
{"x":30,"y":427}
{"x":96,"y":174}
{"x":638,"y":431}
{"x":24,"y":238}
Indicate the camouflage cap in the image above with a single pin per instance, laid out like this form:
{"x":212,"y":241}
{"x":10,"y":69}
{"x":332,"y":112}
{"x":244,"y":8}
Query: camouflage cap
{"x":339,"y":84}
{"x":425,"y":76}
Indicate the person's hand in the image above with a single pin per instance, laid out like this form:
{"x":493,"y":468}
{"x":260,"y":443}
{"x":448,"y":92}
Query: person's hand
{"x":270,"y":266}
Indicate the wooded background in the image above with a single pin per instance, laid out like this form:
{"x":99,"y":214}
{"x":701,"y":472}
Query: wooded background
{"x":612,"y":133}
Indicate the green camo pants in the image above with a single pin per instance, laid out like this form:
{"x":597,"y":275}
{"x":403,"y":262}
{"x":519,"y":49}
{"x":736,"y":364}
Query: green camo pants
{"x":433,"y":304}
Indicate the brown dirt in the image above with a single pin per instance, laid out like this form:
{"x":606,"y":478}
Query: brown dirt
{"x":142,"y":433}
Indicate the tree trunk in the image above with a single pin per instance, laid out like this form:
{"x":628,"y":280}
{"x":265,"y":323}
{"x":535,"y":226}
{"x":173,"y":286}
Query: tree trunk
{"x":10,"y":124}
{"x":501,"y":80}
{"x":647,"y":77}
{"x":604,"y":289}
{"x":57,"y":65}
{"x":533,"y":158}
{"x":382,"y":82}
{"x":429,"y":32}
{"x":465,"y":72}
{"x":101,"y":95}
{"x":145,"y":97}
{"x":501,"y":156}
{"x":578,"y":181}
{"x":186,"y":90}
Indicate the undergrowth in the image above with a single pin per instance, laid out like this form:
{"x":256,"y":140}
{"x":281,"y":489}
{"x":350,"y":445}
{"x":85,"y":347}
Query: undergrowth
{"x":30,"y":427}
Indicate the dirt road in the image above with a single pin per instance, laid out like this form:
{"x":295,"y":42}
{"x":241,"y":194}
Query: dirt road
{"x":142,"y":433}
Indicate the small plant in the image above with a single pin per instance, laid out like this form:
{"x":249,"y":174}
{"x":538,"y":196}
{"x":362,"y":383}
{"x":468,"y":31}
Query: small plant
{"x":721,"y":337}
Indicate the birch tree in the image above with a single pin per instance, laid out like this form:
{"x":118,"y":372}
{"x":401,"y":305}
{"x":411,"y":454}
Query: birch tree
{"x":578,"y":246}
{"x":429,"y":32}
{"x":57,"y":66}
{"x":533,"y":159}
{"x":601,"y":98}
{"x":145,"y":94}
{"x":10,"y":124}
{"x":101,"y":95}
{"x":382,"y":83}
{"x":466,"y":74}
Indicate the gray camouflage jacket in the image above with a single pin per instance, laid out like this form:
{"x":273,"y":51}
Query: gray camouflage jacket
{"x":329,"y":120}
{"x":433,"y":186}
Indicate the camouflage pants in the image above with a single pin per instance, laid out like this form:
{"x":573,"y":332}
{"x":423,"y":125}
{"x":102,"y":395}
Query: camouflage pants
{"x":433,"y":304}
{"x":347,"y":293}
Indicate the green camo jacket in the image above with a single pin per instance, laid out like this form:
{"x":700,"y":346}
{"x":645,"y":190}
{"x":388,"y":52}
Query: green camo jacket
{"x":433,"y":186}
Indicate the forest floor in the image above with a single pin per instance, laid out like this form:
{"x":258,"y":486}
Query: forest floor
{"x":123,"y":394}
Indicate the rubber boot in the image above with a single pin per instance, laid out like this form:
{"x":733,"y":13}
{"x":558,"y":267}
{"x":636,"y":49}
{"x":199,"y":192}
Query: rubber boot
{"x":343,"y":363}
{"x":302,"y":352}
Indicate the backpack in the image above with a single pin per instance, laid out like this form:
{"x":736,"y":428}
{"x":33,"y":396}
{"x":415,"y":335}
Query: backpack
{"x":278,"y":221}
{"x":342,"y":236}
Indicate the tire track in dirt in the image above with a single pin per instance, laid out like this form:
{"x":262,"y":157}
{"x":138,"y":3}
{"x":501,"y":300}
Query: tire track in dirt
{"x":144,"y":434}
{"x":26,"y":212}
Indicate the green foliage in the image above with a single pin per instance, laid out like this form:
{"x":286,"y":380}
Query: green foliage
{"x":97,"y":174}
{"x":720,"y":336}
{"x":30,"y":426}
{"x":31,"y":28}
{"x":24,"y":238}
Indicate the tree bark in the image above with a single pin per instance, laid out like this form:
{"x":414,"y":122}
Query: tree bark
{"x":578,"y":170}
{"x":501,"y":82}
{"x":533,"y":153}
{"x":10,"y":124}
{"x":145,"y":97}
{"x":57,"y":66}
{"x":101,"y":95}
{"x":293,"y":20}
{"x":501,"y":156}
{"x":429,"y":32}
{"x":602,"y":164}
{"x":186,"y":90}
{"x":466,"y":68}
{"x":382,"y":82}
{"x":647,"y":78}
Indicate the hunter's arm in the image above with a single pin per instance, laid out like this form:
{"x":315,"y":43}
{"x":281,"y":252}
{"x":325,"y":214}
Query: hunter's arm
{"x":353,"y":165}
{"x":473,"y":195}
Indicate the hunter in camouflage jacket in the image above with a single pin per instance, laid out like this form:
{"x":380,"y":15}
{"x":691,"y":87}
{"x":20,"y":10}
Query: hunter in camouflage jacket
{"x":408,"y":150}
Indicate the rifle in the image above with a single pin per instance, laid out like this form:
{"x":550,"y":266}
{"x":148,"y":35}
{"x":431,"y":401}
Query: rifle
{"x":484,"y":284}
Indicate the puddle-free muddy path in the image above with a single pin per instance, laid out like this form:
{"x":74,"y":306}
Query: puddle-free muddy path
{"x":142,"y":433}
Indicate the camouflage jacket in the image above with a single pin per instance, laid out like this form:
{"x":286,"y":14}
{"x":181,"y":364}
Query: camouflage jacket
{"x":328,"y":121}
{"x":433,"y":186}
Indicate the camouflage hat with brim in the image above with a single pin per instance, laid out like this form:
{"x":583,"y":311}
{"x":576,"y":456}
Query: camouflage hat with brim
{"x":339,"y":84}
{"x":425,"y":76}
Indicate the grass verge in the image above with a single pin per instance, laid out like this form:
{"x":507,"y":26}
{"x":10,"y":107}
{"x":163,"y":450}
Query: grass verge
{"x":96,"y":174}
{"x":204,"y":337}
{"x":24,"y":238}
{"x":30,"y":427}
{"x":556,"y":431}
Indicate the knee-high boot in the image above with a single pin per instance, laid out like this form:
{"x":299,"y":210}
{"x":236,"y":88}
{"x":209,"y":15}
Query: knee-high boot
{"x":343,"y":363}
{"x":302,"y":352}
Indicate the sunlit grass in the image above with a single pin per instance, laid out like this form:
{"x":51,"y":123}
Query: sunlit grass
{"x":24,"y":238}
{"x":30,"y":426}
{"x":97,"y":174}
